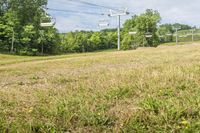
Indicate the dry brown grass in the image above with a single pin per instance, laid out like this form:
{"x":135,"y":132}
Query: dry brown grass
{"x":147,"y":90}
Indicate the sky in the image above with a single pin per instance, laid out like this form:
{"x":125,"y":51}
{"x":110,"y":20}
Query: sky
{"x":172,"y":11}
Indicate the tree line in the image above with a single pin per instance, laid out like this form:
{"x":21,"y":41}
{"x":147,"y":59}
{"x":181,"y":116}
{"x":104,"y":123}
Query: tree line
{"x":88,"y":41}
{"x":21,"y":33}
{"x":145,"y":26}
{"x":20,"y":26}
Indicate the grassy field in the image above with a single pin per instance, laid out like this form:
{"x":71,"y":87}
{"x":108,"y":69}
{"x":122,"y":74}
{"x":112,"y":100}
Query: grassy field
{"x":146,"y":90}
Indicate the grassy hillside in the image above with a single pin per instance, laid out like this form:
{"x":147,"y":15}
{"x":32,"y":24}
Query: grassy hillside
{"x":146,"y":90}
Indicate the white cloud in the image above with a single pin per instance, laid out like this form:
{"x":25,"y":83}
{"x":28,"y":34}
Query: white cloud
{"x":182,"y":11}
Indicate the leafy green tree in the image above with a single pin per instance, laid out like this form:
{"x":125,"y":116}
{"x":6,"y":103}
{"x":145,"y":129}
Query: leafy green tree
{"x":143,"y":25}
{"x":27,"y":34}
{"x":111,"y":39}
{"x":182,"y":26}
{"x":68,"y":43}
{"x":146,"y":24}
{"x":23,"y":19}
{"x":130,"y":25}
{"x":48,"y":41}
{"x":94,"y":42}
{"x":87,"y":41}
{"x":8,"y":25}
{"x":85,"y":45}
{"x":165,"y":32}
{"x":127,"y":42}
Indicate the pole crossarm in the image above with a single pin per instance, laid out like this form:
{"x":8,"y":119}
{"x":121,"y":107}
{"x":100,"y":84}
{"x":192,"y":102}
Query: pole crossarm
{"x":118,"y":14}
{"x":114,"y":13}
{"x":176,"y":29}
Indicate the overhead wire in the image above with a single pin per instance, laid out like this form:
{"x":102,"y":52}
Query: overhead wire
{"x":91,"y":4}
{"x":75,"y":12}
{"x":85,"y":12}
{"x":96,"y":5}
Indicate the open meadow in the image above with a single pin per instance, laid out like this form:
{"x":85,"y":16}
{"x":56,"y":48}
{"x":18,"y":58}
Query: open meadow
{"x":143,"y":90}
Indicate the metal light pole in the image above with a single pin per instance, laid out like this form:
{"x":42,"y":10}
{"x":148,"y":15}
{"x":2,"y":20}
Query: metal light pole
{"x":118,"y":13}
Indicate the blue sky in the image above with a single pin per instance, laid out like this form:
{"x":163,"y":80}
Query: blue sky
{"x":181,"y":11}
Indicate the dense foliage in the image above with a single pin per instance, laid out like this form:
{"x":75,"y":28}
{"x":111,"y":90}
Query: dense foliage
{"x":148,"y":34}
{"x":20,"y":23}
{"x":144,"y":25}
{"x":82,"y":41}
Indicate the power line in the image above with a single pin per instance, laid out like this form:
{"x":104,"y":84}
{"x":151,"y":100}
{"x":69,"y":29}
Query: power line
{"x":75,"y":12}
{"x":113,"y":12}
{"x":94,"y":5}
{"x":91,"y":4}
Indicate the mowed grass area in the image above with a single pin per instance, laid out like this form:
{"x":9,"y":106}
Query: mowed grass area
{"x":144,"y":90}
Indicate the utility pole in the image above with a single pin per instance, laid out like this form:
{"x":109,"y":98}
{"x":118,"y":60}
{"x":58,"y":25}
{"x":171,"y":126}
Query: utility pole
{"x":178,"y":28}
{"x":118,"y":13}
{"x":193,"y":35}
{"x":118,"y":44}
{"x":13,"y":39}
{"x":176,"y":36}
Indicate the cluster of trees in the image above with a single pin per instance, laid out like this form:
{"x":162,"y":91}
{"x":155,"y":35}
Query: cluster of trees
{"x":148,"y":31}
{"x":148,"y":34}
{"x":20,"y":29}
{"x":88,"y":41}
{"x":145,"y":26}
{"x":21,"y":33}
{"x":81,"y":41}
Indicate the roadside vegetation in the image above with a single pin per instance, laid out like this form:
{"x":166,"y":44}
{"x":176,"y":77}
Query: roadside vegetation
{"x":144,"y":90}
